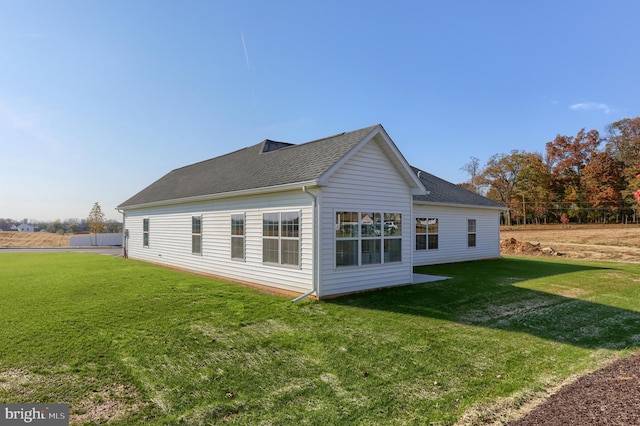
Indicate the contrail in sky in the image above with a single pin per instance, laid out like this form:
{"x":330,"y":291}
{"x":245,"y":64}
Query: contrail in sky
{"x":246,"y":55}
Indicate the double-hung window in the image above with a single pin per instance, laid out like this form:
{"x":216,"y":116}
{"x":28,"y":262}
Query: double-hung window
{"x":368,"y":238}
{"x":471,"y":232}
{"x":347,"y":238}
{"x":237,"y":236}
{"x":281,"y":238}
{"x":196,"y":234}
{"x":426,"y":233}
{"x":145,"y":232}
{"x":392,"y":237}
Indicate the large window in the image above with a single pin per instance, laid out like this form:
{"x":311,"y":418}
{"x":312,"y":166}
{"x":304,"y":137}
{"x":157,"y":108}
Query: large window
{"x":367,"y":238}
{"x":426,"y":233}
{"x":281,"y":238}
{"x":471,"y":232}
{"x":237,"y":236}
{"x":196,"y":234}
{"x":145,"y":232}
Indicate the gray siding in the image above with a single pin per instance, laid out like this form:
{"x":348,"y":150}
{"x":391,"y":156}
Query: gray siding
{"x":170,"y":238}
{"x":452,"y":234}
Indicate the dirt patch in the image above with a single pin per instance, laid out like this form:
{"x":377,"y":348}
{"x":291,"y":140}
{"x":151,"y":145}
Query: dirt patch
{"x":607,"y":397}
{"x":33,"y":239}
{"x":617,"y":243}
{"x":98,"y":405}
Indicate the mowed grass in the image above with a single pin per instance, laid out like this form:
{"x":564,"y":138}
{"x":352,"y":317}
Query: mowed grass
{"x":133,"y":343}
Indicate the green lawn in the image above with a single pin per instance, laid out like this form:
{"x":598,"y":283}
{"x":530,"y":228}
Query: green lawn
{"x":141,"y":344}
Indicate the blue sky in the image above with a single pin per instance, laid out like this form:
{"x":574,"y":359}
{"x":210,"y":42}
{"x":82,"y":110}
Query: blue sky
{"x":98,"y":99}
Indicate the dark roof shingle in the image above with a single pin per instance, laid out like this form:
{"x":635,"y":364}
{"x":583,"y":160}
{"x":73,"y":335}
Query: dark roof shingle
{"x":263,"y":165}
{"x":441,"y":191}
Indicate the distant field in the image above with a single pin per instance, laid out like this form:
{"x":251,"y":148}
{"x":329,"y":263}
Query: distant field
{"x":620,"y":243}
{"x":33,"y":239}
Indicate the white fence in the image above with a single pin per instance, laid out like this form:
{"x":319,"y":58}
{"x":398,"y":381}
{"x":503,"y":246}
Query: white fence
{"x":114,"y":239}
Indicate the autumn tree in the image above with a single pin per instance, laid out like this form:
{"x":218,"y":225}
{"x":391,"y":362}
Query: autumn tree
{"x":501,"y":176}
{"x":96,"y":222}
{"x":533,"y":186}
{"x":566,"y":157}
{"x":623,"y":143}
{"x":603,"y":182}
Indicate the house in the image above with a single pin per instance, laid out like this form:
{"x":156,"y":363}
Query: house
{"x":23,"y":227}
{"x":341,"y":214}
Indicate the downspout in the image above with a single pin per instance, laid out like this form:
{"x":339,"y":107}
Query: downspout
{"x":125,"y":236}
{"x":314,"y":275}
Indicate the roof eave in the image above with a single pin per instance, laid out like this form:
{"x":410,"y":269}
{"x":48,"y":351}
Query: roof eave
{"x":469,"y":206}
{"x":230,"y":194}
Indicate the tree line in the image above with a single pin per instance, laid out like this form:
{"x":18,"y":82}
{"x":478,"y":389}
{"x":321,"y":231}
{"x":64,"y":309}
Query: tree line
{"x":584,"y":178}
{"x":67,"y":226}
{"x":95,"y":224}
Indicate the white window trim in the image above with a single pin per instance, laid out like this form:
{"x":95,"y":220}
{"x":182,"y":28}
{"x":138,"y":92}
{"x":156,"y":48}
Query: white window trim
{"x":147,"y":232}
{"x":197,"y":253}
{"x":360,"y":238}
{"x":279,"y":264}
{"x":243,"y":236}
{"x":475,"y":232}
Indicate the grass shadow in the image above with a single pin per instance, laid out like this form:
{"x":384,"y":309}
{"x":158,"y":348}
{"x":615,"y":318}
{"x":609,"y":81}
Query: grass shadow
{"x":572,"y":303}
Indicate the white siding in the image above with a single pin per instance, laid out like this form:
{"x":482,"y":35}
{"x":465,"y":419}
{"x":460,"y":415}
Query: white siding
{"x":366,"y":182}
{"x":452,"y":234}
{"x":170,"y":238}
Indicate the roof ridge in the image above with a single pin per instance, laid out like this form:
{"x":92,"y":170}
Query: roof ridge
{"x":333,"y":136}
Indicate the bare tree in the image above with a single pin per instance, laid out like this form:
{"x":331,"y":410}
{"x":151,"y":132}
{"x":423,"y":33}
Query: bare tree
{"x":96,"y":222}
{"x":473,"y":169}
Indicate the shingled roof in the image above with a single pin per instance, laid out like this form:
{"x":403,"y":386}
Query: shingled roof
{"x":443,"y":192}
{"x":271,"y":164}
{"x":263,"y":165}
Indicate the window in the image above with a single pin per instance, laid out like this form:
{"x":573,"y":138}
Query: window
{"x":281,"y":238}
{"x":347,"y":225}
{"x":426,"y":233}
{"x":366,"y":238}
{"x":196,"y":234}
{"x":432,"y":233}
{"x":392,"y":237}
{"x":145,"y":232}
{"x":237,"y":236}
{"x":471,"y":232}
{"x":370,"y":238}
{"x":421,"y":233}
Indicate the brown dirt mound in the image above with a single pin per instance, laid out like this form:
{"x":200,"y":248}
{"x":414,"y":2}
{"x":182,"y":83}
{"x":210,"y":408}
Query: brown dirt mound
{"x":513,"y":246}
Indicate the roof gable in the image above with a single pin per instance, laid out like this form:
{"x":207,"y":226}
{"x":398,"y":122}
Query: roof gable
{"x":265,"y":165}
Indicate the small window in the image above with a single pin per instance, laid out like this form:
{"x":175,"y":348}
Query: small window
{"x":421,"y":233}
{"x":196,"y":234}
{"x":471,"y":232}
{"x":237,"y":236}
{"x":432,"y":233}
{"x":145,"y":232}
{"x":426,"y":233}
